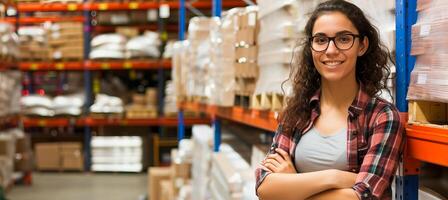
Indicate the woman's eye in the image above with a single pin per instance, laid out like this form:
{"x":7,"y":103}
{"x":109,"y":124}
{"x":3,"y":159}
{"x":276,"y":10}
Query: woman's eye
{"x":344,"y":39}
{"x":321,"y":40}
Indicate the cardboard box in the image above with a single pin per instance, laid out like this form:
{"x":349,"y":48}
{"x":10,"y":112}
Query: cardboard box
{"x":155,"y":176}
{"x":6,"y":171}
{"x":246,"y":54}
{"x":48,"y":156}
{"x":166,"y":190}
{"x":151,"y":96}
{"x":249,"y":19}
{"x":7,"y":146}
{"x":23,"y":160}
{"x":71,"y":156}
{"x":67,"y":52}
{"x":180,"y":172}
{"x":246,"y":37}
{"x":246,"y":70}
{"x":427,"y":112}
{"x":127,"y":31}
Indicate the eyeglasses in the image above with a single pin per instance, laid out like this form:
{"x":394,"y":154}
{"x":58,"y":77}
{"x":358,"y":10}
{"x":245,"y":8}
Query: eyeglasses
{"x":320,"y":43}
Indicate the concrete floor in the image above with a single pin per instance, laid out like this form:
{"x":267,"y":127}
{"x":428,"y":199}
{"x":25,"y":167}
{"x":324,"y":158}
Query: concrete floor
{"x":76,"y":186}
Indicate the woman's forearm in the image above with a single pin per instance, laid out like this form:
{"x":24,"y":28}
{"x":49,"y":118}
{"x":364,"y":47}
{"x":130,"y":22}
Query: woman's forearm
{"x":295,"y":186}
{"x":348,"y":194}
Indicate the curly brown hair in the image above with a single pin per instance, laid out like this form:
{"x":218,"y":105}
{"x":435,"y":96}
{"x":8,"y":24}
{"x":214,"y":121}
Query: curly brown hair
{"x":372,"y":68}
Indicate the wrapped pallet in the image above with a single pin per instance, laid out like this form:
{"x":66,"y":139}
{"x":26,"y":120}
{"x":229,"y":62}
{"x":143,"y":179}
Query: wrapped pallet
{"x":429,"y":45}
{"x":202,"y":153}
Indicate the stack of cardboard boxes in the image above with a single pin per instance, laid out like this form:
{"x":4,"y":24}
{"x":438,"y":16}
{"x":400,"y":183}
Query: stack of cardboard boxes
{"x":246,"y":54}
{"x":66,"y":41}
{"x":7,"y":153}
{"x":165,"y":183}
{"x":15,"y":155}
{"x":277,"y":38}
{"x":143,"y":106}
{"x":59,"y":156}
{"x":56,"y":41}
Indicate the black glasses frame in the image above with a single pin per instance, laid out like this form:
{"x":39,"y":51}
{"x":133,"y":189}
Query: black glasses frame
{"x":334,"y":42}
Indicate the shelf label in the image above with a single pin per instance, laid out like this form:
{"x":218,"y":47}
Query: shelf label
{"x":105,"y":66}
{"x":164,"y":11}
{"x":103,"y":6}
{"x":72,"y":7}
{"x":127,"y":65}
{"x":42,"y":123}
{"x":60,"y":66}
{"x":34,"y":66}
{"x":133,"y":5}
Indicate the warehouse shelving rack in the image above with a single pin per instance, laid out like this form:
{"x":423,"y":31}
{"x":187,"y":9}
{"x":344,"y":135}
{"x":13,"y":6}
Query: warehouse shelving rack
{"x":424,"y":144}
{"x":87,"y":66}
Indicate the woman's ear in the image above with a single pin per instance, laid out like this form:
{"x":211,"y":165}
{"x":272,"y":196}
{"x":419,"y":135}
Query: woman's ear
{"x":364,"y":45}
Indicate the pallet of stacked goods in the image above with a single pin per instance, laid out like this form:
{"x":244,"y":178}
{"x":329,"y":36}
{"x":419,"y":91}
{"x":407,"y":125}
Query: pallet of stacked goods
{"x":117,"y":154}
{"x":428,"y":96}
{"x":383,"y":18}
{"x":277,"y":38}
{"x":428,"y":91}
{"x":10,"y":87}
{"x":231,"y":176}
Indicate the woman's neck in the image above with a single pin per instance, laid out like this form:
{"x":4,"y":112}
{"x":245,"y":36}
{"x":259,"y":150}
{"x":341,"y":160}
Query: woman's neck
{"x":338,"y":94}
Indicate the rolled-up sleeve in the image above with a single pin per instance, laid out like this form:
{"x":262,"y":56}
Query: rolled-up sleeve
{"x":280,"y":140}
{"x":382,"y":158}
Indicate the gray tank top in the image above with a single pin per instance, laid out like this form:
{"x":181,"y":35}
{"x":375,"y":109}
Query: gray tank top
{"x":315,"y":152}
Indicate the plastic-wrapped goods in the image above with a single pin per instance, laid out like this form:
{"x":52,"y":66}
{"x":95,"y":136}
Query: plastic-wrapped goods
{"x":10,"y":87}
{"x":229,"y":173}
{"x":108,"y":46}
{"x":65,"y":40}
{"x":9,"y":47}
{"x":179,"y":71}
{"x":41,"y":105}
{"x":105,"y":104}
{"x":33,"y":43}
{"x":428,"y":79}
{"x":202,"y":153}
{"x":146,"y":45}
{"x":117,"y":154}
{"x":7,"y":154}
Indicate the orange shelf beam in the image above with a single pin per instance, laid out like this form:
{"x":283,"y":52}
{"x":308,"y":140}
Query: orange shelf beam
{"x":163,"y":121}
{"x":8,"y":121}
{"x":34,"y":7}
{"x":37,"y":20}
{"x":428,"y":144}
{"x":121,"y":6}
{"x":56,"y":66}
{"x":48,"y":7}
{"x":50,"y":122}
{"x":126,"y":65}
{"x":208,"y":4}
{"x":95,"y":65}
{"x":153,"y":27}
{"x":265,"y":120}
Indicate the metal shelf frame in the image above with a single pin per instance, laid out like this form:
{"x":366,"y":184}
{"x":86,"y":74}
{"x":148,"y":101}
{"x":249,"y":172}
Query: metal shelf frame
{"x":88,"y":66}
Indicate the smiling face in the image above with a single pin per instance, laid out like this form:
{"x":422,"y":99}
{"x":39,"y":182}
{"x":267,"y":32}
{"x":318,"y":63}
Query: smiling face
{"x":334,"y":64}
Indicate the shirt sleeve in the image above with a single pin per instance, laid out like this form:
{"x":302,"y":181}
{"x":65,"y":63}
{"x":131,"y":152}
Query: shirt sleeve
{"x":280,"y":140}
{"x":382,"y":158}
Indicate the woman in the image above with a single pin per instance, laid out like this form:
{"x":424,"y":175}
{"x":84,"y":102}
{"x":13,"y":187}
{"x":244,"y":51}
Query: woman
{"x":336,"y":139}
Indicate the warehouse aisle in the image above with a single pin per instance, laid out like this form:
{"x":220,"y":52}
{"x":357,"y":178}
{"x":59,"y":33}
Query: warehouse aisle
{"x":75,"y":186}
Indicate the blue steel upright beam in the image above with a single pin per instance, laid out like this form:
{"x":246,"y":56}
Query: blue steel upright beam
{"x":406,"y":16}
{"x":217,"y":8}
{"x":217,"y":131}
{"x":88,"y":91}
{"x":180,"y":114}
{"x":182,"y":20}
{"x":216,"y":11}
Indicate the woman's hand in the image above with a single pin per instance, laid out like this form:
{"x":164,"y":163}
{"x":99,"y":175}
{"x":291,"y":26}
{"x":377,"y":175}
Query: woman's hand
{"x":279,"y":162}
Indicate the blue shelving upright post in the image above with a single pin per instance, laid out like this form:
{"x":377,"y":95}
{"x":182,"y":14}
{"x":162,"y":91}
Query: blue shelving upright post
{"x":88,"y":90}
{"x":216,"y":11}
{"x":406,"y":16}
{"x":180,"y":114}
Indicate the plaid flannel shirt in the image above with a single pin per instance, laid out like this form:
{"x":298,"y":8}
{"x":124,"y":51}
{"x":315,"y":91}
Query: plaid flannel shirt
{"x":374,"y":144}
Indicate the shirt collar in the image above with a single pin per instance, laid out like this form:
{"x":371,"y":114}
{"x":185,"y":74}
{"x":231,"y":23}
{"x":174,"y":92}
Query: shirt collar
{"x":358,"y":105}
